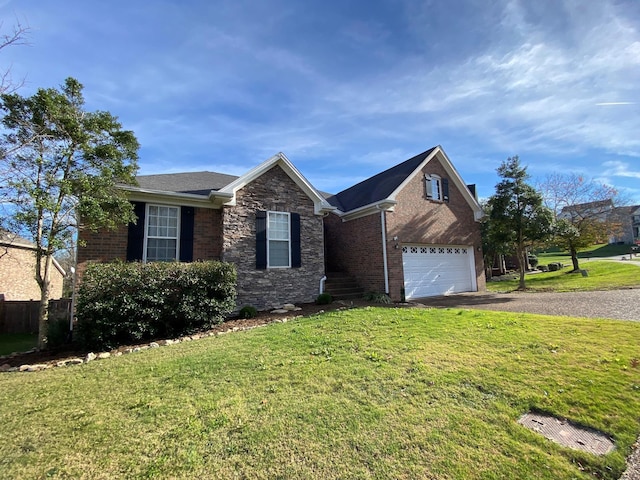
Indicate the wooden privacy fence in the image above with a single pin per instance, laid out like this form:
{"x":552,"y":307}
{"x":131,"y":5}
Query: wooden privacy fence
{"x":21,"y":316}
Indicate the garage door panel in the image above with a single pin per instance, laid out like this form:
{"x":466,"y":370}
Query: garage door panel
{"x":431,"y":270}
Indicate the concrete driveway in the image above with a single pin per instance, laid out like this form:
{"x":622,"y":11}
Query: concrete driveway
{"x":618,"y":304}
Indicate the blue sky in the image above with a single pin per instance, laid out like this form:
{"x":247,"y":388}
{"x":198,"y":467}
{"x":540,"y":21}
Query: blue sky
{"x":349,"y":88}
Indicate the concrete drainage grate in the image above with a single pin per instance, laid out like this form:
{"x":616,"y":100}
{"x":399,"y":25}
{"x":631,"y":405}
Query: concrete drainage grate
{"x":567,"y":434}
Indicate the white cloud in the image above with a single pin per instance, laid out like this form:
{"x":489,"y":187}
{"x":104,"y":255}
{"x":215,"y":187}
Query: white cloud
{"x":616,"y":168}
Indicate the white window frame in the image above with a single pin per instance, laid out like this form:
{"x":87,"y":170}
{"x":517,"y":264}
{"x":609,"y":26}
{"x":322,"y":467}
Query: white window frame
{"x":147,"y":236}
{"x":269,"y":239}
{"x":436,"y":187}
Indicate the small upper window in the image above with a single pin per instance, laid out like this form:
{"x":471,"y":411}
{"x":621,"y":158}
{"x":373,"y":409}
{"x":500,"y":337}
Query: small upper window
{"x":436,"y":188}
{"x":278,"y":239}
{"x":161,"y":233}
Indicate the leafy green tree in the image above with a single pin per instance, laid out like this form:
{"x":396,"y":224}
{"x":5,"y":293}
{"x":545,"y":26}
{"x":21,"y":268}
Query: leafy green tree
{"x":60,"y":163}
{"x":517,"y":216}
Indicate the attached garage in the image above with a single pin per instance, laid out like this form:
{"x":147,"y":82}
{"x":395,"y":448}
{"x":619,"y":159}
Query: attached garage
{"x":431,"y":270}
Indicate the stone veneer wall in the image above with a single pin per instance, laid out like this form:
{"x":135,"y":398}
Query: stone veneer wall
{"x":274,"y":191}
{"x":17,"y":275}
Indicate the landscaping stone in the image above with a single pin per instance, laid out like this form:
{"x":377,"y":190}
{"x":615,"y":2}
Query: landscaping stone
{"x":154,"y":345}
{"x":288,"y":306}
{"x":69,"y":361}
{"x":103,"y":355}
{"x":5,"y":367}
{"x":90,"y":357}
{"x":279,"y":310}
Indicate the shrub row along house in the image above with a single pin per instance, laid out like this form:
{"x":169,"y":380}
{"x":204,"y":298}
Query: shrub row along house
{"x":410,"y":231}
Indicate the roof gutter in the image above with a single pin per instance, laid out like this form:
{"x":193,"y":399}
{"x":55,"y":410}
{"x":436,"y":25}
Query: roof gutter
{"x":387,"y":205}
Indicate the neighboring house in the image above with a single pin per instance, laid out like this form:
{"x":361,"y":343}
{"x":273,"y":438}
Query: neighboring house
{"x":624,"y":222}
{"x":598,"y":210}
{"x":629,"y":220}
{"x":283,"y":235}
{"x":635,"y":225}
{"x":17,"y":270}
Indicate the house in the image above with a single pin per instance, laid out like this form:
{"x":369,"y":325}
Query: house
{"x":629,"y":220}
{"x":414,"y":224}
{"x":17,"y":270}
{"x":623,"y":223}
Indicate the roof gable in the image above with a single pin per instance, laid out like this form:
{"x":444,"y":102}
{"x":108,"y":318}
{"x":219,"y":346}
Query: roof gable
{"x":381,"y":190}
{"x":230,"y":190}
{"x":379,"y":187}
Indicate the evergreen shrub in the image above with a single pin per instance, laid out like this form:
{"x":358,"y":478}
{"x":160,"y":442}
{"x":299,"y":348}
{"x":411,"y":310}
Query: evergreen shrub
{"x":122,"y":303}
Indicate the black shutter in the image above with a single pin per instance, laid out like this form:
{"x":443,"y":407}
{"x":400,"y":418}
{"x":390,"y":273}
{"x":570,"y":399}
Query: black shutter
{"x":186,"y":233}
{"x":135,"y":237}
{"x":296,"y":254}
{"x":261,"y":240}
{"x":427,"y":187}
{"x":445,"y":189}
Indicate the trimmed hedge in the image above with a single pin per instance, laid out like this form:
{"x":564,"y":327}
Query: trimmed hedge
{"x":123,"y":303}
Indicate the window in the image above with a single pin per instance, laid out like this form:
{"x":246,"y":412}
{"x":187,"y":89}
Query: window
{"x":162,"y":232}
{"x":278,"y":240}
{"x":436,"y":188}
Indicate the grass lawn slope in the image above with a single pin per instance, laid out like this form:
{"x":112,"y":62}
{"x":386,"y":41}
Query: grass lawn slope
{"x":602,"y":275}
{"x":365,"y":393}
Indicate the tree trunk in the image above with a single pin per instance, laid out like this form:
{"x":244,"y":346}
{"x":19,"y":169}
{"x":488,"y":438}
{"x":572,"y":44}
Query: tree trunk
{"x":43,"y":310}
{"x":574,"y":258}
{"x":522,"y":264}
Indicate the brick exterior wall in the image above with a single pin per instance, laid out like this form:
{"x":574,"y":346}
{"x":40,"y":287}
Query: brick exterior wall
{"x":419,"y":220}
{"x":207,"y":234}
{"x":17,"y":275}
{"x":415,"y":219}
{"x":355,"y":247}
{"x":106,"y":246}
{"x":274,"y":191}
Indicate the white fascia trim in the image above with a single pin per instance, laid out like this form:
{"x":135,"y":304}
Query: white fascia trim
{"x":453,"y":175}
{"x":321,"y":206}
{"x":59,"y":267}
{"x":171,"y":198}
{"x":385,"y":205}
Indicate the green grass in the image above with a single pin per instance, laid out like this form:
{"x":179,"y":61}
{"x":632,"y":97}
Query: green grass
{"x":359,"y":394}
{"x":595,"y":251}
{"x":602,"y":275}
{"x":16,"y":342}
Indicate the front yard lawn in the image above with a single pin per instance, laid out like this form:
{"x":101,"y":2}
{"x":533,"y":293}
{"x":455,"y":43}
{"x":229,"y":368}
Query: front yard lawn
{"x":602,"y":275}
{"x":364,"y":393}
{"x":16,"y":342}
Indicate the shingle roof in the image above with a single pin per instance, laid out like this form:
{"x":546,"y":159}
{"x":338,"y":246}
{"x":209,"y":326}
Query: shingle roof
{"x":378,"y":187}
{"x":8,"y":238}
{"x":199,"y":183}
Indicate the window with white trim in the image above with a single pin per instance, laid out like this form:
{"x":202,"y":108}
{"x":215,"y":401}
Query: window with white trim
{"x":162,"y":231}
{"x":278,"y":239}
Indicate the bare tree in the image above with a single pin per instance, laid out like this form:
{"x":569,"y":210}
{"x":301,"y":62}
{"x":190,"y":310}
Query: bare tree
{"x":584,"y":210}
{"x":16,"y":36}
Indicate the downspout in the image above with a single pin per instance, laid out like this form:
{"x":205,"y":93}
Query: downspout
{"x":384,"y":250}
{"x":322,"y":280}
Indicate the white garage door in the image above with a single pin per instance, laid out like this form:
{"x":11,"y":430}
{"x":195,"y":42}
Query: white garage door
{"x":431,"y":270}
